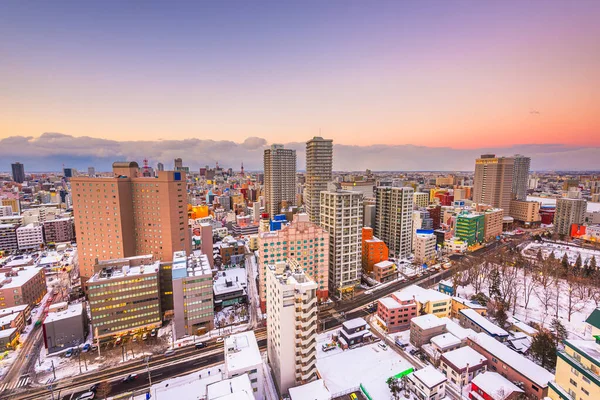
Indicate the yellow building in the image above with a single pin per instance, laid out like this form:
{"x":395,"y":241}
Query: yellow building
{"x":428,"y":301}
{"x":253,"y":242}
{"x":578,"y":367}
{"x":459,"y":303}
{"x":195,"y":212}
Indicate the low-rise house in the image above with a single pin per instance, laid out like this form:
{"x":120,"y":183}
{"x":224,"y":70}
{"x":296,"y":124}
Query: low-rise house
{"x":445,"y":342}
{"x":354,"y":331}
{"x":427,"y":383}
{"x":457,"y":330}
{"x":424,"y":327}
{"x":9,"y":339}
{"x":520,"y":326}
{"x":473,"y":320}
{"x":393,"y":315}
{"x":461,"y":365}
{"x":458,"y":303}
{"x":15,"y":317}
{"x":519,"y":342}
{"x":385,"y":271}
{"x":428,"y":301}
{"x":493,"y":386}
{"x":512,"y":365}
{"x":445,"y":286}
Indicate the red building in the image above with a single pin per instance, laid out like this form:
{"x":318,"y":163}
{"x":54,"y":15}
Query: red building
{"x":547,"y":214}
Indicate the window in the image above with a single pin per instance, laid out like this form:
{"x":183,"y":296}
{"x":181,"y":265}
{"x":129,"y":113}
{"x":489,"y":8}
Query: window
{"x":572,"y":382}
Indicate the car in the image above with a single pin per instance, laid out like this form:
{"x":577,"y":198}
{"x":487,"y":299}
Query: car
{"x":86,"y":396}
{"x":382,"y":345}
{"x":118,"y":341}
{"x":134,"y":339}
{"x":86,"y":347}
{"x":94,"y":387}
{"x":145,"y":336}
{"x":129,"y":378}
{"x":69,"y":353}
{"x":220,"y":340}
{"x":93,"y":347}
{"x":169,"y":352}
{"x":200,"y":345}
{"x":153,"y":332}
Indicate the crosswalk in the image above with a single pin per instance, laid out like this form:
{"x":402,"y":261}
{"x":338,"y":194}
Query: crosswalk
{"x":21,"y":383}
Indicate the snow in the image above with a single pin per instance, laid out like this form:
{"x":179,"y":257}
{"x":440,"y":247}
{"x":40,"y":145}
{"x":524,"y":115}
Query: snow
{"x":315,"y":390}
{"x":367,"y":365}
{"x":483,"y":322}
{"x":232,"y":315}
{"x":528,"y":368}
{"x":420,"y":294}
{"x":463,"y":357}
{"x":241,"y":351}
{"x":560,"y":249}
{"x":495,"y":385}
{"x":187,"y":387}
{"x":354,"y":323}
{"x":427,"y":321}
{"x":457,"y":330}
{"x":389,"y":303}
{"x":548,"y":201}
{"x":72,"y":310}
{"x":445,"y":340}
{"x":238,"y":387}
{"x":430,"y":376}
{"x":522,"y":326}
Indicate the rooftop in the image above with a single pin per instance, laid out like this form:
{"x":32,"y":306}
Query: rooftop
{"x":469,"y":303}
{"x":72,"y":311}
{"x":430,"y":376}
{"x":495,"y":385}
{"x":12,"y":310}
{"x":125,"y":271}
{"x":483,"y":322}
{"x":241,"y":352}
{"x":463,"y":357}
{"x":17,"y":278}
{"x":457,"y":330}
{"x":420,"y":294}
{"x":315,"y":390}
{"x":238,"y":387}
{"x":427,"y":321}
{"x":445,"y":340}
{"x":230,"y":280}
{"x":389,"y":303}
{"x":354,"y":323}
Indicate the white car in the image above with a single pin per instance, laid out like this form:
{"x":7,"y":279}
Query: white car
{"x":383,"y":346}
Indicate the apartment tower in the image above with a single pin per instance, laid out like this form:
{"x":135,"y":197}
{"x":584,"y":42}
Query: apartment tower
{"x":393,"y":221}
{"x":18,"y":172}
{"x":568,"y":211}
{"x":493,"y":181}
{"x":520,"y":177}
{"x":291,"y":325}
{"x":280,"y":178}
{"x":127,"y":215}
{"x":319,"y":163}
{"x":342,"y":218}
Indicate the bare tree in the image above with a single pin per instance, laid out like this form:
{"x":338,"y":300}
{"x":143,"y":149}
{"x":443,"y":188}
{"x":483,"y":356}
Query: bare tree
{"x":509,"y":284}
{"x":545,"y":285}
{"x":477,"y":276}
{"x":576,"y":293}
{"x":103,"y":390}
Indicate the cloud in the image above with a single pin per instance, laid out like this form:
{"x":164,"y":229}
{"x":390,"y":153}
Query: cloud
{"x":51,"y":150}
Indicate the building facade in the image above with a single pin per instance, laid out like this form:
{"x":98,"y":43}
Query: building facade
{"x":393,"y":221}
{"x":425,"y":245}
{"x":30,"y":237}
{"x":374,"y":250}
{"x":568,"y":211}
{"x":319,"y":164}
{"x":280,"y":178}
{"x":493,"y":181}
{"x":18,"y":172}
{"x":525,"y":212}
{"x":59,"y":230}
{"x":520,"y":177}
{"x":22,"y":286}
{"x":470,"y":227}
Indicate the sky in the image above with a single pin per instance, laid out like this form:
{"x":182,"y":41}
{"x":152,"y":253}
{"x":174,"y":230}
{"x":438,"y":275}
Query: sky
{"x":460,"y":75}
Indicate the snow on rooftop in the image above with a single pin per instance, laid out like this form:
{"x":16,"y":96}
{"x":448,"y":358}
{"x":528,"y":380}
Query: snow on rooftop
{"x":73,"y":310}
{"x":384,"y":264}
{"x":522,"y":326}
{"x":495,"y":385}
{"x":121,"y":272}
{"x":4,"y":333}
{"x":469,"y":303}
{"x":528,"y":368}
{"x":457,"y":330}
{"x":238,"y":387}
{"x":464,"y":356}
{"x":445,"y":340}
{"x":390,"y":303}
{"x":19,"y":279}
{"x":427,"y":321}
{"x":483,"y":322}
{"x":429,"y":376}
{"x":354,"y":323}
{"x":315,"y":390}
{"x":241,"y":352}
{"x":420,"y":294}
{"x":589,"y":347}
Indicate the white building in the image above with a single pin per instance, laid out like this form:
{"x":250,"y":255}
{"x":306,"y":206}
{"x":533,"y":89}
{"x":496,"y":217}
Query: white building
{"x":393,"y":221}
{"x":428,"y":383}
{"x":6,"y":211}
{"x":421,"y":199}
{"x":242,"y":356}
{"x":30,"y":236}
{"x":291,"y":325}
{"x":236,"y":388}
{"x":342,"y":218}
{"x":425,"y":247}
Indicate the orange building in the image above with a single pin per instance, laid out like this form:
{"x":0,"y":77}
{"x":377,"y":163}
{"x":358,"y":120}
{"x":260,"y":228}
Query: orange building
{"x":128,"y":215}
{"x":374,"y":250}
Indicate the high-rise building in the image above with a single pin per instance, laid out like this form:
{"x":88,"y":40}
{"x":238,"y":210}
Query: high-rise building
{"x":493,"y":181}
{"x":18,"y":172}
{"x":177,"y":164}
{"x":291,"y":325}
{"x":301,"y":240}
{"x":192,"y":294}
{"x":568,"y":211}
{"x":342,"y":218}
{"x":470,"y":227}
{"x":520,"y":177}
{"x":280,"y":178}
{"x":242,"y":357}
{"x":393,"y":222}
{"x":128,"y":215}
{"x":319,"y":163}
{"x":421,"y":199}
{"x":68,"y":172}
{"x":425,"y":244}
{"x":91,"y":172}
{"x":160,"y":166}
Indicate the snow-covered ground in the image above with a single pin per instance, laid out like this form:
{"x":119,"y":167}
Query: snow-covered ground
{"x":232,"y":315}
{"x":367,"y":365}
{"x":559,"y":250}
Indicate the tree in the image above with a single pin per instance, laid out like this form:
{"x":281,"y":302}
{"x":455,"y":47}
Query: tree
{"x":103,"y":390}
{"x":576,"y":293}
{"x":565,"y":263}
{"x":494,"y":284}
{"x":545,"y":279}
{"x":578,"y":262}
{"x":559,"y":331}
{"x":543,"y":348}
{"x":528,"y":283}
{"x":593,"y":263}
{"x":500,"y":315}
{"x":480,"y":298}
{"x":395,"y":387}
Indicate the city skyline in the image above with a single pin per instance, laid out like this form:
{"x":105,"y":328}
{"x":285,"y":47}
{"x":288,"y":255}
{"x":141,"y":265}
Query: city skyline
{"x":435,"y":74}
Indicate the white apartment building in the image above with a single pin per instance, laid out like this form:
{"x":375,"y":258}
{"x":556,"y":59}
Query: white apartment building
{"x":428,"y":383}
{"x":425,"y":247}
{"x":291,"y":325}
{"x":6,"y":211}
{"x":280,"y":178}
{"x":242,"y":356}
{"x":30,"y":236}
{"x":319,"y":163}
{"x":342,"y":218}
{"x":393,"y":222}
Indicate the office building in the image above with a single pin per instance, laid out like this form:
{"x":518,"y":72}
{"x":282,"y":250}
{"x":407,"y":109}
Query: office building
{"x":568,"y":211}
{"x":425,"y":247}
{"x":470,"y":227}
{"x":31,"y":236}
{"x":124,"y":298}
{"x":91,"y":172}
{"x":177,"y":164}
{"x":374,"y":250}
{"x":8,"y":237}
{"x":291,"y":325}
{"x":525,"y":212}
{"x":520,"y":177}
{"x":492,"y":222}
{"x":319,"y":163}
{"x":59,"y":230}
{"x":420,"y":199}
{"x":393,"y":222}
{"x":242,"y":356}
{"x":18,"y":172}
{"x":192,"y":294}
{"x":493,"y":181}
{"x":303,"y":241}
{"x":342,"y":218}
{"x":160,"y":167}
{"x":280,"y":178}
{"x":65,"y":327}
{"x":23,"y":286}
{"x":127,"y":215}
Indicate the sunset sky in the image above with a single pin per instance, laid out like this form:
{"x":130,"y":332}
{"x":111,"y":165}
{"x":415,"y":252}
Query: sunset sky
{"x":461,"y":74}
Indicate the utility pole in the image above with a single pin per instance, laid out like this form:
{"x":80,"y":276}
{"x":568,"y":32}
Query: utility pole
{"x":53,"y":370}
{"x":148,"y":370}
